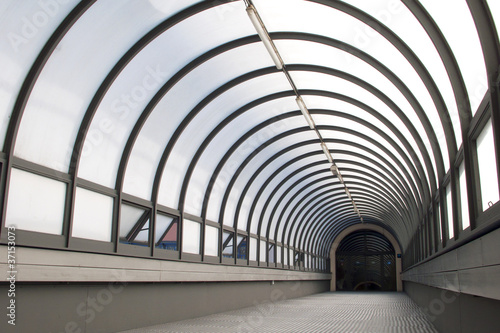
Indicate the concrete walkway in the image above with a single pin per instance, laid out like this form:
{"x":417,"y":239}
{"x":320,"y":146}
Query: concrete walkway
{"x":343,"y":312}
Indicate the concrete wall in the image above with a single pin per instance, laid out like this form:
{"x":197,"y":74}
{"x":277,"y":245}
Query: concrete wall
{"x":74,"y":292}
{"x":460,"y":290}
{"x":452,"y":312}
{"x":111,"y":307}
{"x":473,"y":269}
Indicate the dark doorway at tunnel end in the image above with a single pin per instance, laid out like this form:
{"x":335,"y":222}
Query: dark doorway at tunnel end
{"x":365,"y":261}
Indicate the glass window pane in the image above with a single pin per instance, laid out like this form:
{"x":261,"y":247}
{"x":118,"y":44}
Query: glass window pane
{"x":463,"y":197}
{"x":93,"y":215}
{"x":35,"y":203}
{"x":298,"y":259}
{"x":224,"y":105}
{"x":253,"y":249}
{"x":457,"y":25}
{"x":285,"y":256}
{"x":271,"y":253}
{"x":449,"y":212}
{"x":191,"y":237}
{"x":134,"y":225}
{"x":166,"y":232}
{"x":292,"y":256}
{"x":211,"y":241}
{"x":263,"y":251}
{"x":242,"y":247}
{"x":439,"y":221}
{"x":230,"y":134}
{"x":278,"y":254}
{"x":62,"y":99}
{"x":488,"y":175}
{"x":193,"y":87}
{"x":26,"y":26}
{"x":227,"y":244}
{"x":399,"y":18}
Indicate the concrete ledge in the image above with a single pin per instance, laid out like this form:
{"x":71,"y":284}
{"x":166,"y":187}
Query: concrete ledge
{"x":40,"y":265}
{"x":473,"y":269}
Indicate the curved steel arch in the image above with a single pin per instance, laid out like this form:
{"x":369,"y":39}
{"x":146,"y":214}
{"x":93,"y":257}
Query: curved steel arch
{"x":335,"y":232}
{"x":232,"y":182}
{"x":419,"y":191}
{"x":206,"y":196}
{"x":157,"y":177}
{"x":412,"y":58}
{"x":35,"y":71}
{"x":310,"y":233}
{"x":229,"y":152}
{"x":344,"y":209}
{"x":398,"y":83}
{"x":405,"y":194}
{"x":398,"y":196}
{"x":387,"y":101}
{"x":269,"y":198}
{"x":240,"y":169}
{"x":295,"y":195}
{"x":249,"y":183}
{"x":321,"y":236}
{"x":418,"y":174}
{"x":361,"y":147}
{"x":238,"y":42}
{"x":422,"y":189}
{"x":371,"y":191}
{"x":291,"y":213}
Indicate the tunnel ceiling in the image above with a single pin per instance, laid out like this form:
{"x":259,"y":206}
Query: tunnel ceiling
{"x":178,"y":107}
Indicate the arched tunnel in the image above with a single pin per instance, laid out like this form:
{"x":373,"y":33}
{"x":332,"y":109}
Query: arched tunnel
{"x":194,"y":150}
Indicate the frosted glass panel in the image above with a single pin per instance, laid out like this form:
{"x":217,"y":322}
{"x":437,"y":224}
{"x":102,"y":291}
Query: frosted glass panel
{"x":439,"y":221}
{"x":263,"y":251}
{"x":241,"y":251}
{"x":456,"y":23}
{"x":227,"y":242}
{"x":134,"y":225}
{"x":166,"y":232}
{"x":85,"y":51}
{"x":92,"y":216}
{"x":253,"y":249}
{"x":463,"y":197}
{"x":211,"y":241}
{"x":449,"y":212}
{"x":191,"y":237}
{"x":271,"y":253}
{"x":26,"y":26}
{"x":488,"y":175}
{"x":35,"y":203}
{"x":396,"y":16}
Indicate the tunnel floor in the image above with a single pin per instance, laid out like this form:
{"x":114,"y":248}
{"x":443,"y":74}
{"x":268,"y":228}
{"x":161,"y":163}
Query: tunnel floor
{"x":346,"y":312}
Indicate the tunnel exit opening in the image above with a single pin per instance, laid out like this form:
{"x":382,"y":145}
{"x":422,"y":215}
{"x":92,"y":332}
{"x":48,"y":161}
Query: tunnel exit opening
{"x":365,"y":261}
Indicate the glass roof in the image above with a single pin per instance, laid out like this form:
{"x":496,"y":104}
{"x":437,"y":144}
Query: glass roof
{"x":179,"y":104}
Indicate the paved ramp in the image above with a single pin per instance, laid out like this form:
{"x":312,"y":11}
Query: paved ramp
{"x":343,"y":312}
